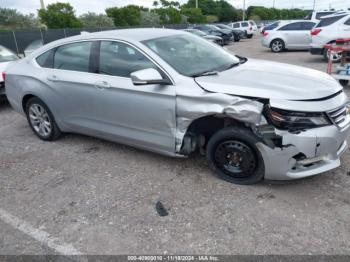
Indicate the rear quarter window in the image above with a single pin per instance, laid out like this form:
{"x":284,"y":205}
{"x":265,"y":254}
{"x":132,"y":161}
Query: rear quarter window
{"x":46,"y":59}
{"x":245,"y":24}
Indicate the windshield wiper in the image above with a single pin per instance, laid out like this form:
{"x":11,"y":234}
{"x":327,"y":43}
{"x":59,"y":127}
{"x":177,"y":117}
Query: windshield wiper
{"x":206,"y":73}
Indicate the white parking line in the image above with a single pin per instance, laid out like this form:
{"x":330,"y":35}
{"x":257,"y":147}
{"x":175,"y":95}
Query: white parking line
{"x":43,"y":237}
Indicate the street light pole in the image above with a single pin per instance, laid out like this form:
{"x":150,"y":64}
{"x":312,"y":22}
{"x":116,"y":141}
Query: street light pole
{"x":274,"y":2}
{"x":314,"y":5}
{"x":42,"y":4}
{"x":196,"y":3}
{"x":243,"y":10}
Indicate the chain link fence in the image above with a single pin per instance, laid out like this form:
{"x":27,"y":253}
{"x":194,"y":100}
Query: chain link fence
{"x":23,"y":41}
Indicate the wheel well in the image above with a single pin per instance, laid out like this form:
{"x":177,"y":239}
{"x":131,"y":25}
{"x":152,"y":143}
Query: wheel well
{"x":275,"y":40}
{"x":25,"y":101}
{"x":202,"y":129}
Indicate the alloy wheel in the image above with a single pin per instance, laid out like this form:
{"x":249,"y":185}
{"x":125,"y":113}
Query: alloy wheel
{"x":277,"y":46}
{"x":40,"y":120}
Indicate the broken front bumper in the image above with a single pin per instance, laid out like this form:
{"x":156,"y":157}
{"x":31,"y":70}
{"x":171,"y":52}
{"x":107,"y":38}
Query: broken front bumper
{"x":320,"y":149}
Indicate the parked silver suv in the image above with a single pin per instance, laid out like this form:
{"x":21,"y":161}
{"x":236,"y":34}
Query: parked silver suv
{"x":175,"y":93}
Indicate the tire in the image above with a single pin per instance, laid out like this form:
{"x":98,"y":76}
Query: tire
{"x":326,"y":54}
{"x":236,"y":38}
{"x":233,"y":156}
{"x":249,"y":36}
{"x":343,"y":82}
{"x":277,"y":45}
{"x":41,"y":120}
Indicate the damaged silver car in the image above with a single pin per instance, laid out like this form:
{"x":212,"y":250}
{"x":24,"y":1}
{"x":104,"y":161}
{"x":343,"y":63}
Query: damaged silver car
{"x":174,"y":93}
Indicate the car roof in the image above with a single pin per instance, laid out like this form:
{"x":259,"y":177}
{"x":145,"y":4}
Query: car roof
{"x":136,"y":34}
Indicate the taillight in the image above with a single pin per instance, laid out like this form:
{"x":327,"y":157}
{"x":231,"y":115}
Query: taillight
{"x":316,"y":31}
{"x":266,"y":33}
{"x":4,"y":76}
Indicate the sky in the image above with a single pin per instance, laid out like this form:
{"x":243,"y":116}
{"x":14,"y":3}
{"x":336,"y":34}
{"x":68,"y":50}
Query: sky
{"x":98,"y":6}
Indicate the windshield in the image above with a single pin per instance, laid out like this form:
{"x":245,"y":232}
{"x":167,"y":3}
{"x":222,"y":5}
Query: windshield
{"x":196,"y":32}
{"x":7,"y":55}
{"x":190,"y":55}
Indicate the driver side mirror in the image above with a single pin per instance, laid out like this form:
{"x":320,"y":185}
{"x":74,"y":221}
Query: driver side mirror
{"x":149,"y":76}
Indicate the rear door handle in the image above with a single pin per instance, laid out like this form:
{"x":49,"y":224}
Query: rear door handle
{"x":102,"y":85}
{"x":52,"y":78}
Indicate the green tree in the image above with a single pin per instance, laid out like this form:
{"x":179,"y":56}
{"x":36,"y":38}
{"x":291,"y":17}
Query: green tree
{"x":194,"y":15}
{"x":125,"y":16}
{"x":169,"y":15}
{"x":226,"y":12}
{"x":149,"y":18}
{"x":11,"y":19}
{"x":59,"y":15}
{"x":93,"y":20}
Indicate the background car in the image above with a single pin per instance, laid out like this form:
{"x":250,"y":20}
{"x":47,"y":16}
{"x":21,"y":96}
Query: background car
{"x":249,"y":27}
{"x":6,"y":57}
{"x":213,"y":38}
{"x":328,"y":30}
{"x":317,"y":15}
{"x":293,"y":35}
{"x":237,"y":33}
{"x":226,"y":35}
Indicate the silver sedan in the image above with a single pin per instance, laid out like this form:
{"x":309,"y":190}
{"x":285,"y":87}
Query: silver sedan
{"x":175,"y":93}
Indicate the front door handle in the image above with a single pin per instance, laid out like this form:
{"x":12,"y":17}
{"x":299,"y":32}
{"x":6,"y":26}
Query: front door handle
{"x":102,"y":85}
{"x":52,"y":78}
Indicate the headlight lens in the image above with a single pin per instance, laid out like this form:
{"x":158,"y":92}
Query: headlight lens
{"x":296,"y":120}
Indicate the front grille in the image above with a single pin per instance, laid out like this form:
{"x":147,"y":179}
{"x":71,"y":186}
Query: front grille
{"x":340,"y":116}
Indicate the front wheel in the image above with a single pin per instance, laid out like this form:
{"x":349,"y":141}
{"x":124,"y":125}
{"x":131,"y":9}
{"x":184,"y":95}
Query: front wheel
{"x":335,"y":56}
{"x":233,"y":156}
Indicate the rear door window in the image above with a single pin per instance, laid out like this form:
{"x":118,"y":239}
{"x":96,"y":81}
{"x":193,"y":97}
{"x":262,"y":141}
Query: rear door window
{"x":74,"y":57}
{"x":329,"y":21}
{"x":292,"y":27}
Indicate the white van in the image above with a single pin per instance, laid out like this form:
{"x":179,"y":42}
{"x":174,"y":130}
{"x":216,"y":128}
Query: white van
{"x":249,"y":27}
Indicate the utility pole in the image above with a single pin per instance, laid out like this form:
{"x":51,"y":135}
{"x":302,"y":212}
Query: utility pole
{"x":274,"y":2}
{"x":196,"y":3}
{"x":243,"y":10}
{"x":42,"y":4}
{"x":314,"y":5}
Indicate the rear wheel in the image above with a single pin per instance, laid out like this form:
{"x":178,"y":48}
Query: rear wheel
{"x":335,"y":57}
{"x":232,"y":154}
{"x":277,"y":46}
{"x":344,"y":82}
{"x":41,"y":120}
{"x":249,"y":36}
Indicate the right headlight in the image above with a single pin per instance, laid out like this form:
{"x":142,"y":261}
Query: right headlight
{"x":284,"y":119}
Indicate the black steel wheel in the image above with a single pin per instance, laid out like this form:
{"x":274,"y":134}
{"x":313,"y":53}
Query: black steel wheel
{"x":232,"y":154}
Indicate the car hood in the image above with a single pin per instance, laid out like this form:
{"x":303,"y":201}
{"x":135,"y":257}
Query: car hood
{"x":271,"y":80}
{"x":214,"y":37}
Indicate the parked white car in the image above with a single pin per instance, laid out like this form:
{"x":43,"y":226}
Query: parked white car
{"x":317,"y":15}
{"x":328,"y":30}
{"x":249,"y":27}
{"x":6,"y":56}
{"x":289,"y":35}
